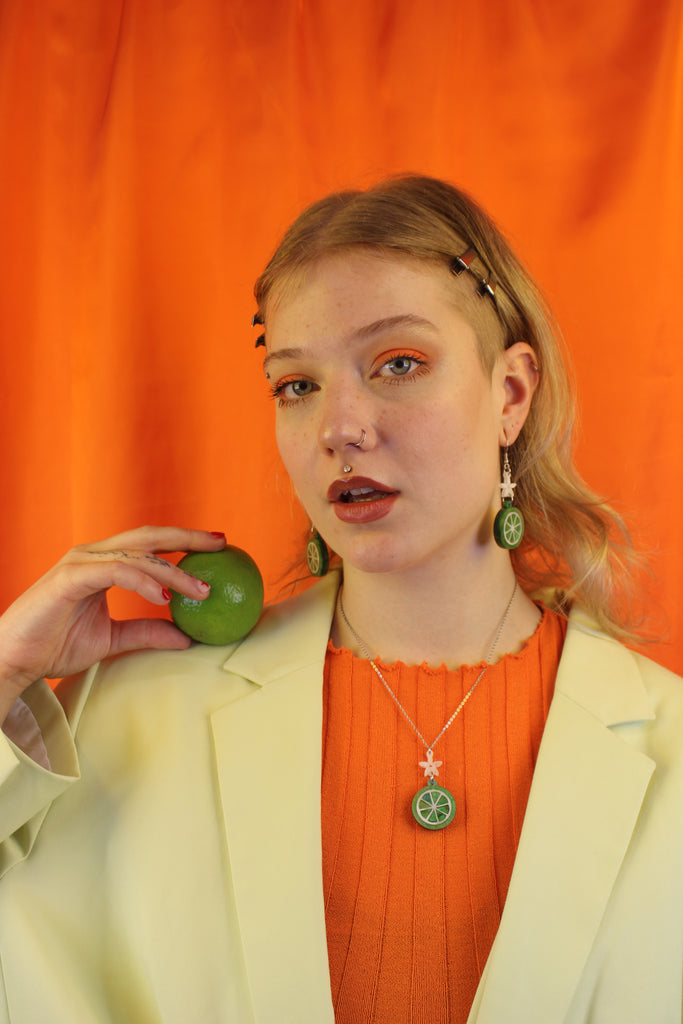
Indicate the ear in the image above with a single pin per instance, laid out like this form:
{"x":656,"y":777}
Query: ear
{"x":519,"y":372}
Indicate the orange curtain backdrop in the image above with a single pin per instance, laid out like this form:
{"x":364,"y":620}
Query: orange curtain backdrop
{"x":152,"y":153}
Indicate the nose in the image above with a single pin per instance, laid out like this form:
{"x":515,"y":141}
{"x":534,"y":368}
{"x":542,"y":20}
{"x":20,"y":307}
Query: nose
{"x":335,"y":439}
{"x":345,"y":425}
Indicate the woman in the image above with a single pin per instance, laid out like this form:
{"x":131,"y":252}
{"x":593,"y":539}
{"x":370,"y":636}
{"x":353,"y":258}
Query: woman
{"x":499,"y":834}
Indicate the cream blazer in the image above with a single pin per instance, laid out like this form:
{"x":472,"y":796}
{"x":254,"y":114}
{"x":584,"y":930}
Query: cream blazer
{"x":168,"y":868}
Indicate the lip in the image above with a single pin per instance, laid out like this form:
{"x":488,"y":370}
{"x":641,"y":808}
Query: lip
{"x":361,"y":511}
{"x":336,"y":489}
{"x":365,"y":511}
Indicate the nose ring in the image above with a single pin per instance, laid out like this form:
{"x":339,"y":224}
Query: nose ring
{"x":359,"y":444}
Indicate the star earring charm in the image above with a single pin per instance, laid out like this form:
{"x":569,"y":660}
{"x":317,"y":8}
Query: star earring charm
{"x":508,"y":526}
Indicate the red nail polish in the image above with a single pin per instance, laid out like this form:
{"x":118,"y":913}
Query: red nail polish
{"x":218,"y":534}
{"x":166,"y":594}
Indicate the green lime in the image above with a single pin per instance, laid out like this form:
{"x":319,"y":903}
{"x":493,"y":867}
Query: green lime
{"x":235,"y":603}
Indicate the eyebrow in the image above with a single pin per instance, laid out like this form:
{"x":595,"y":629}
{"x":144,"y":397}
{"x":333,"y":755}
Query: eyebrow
{"x":367,"y":331}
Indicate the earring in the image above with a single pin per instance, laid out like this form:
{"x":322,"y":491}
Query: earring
{"x":508,"y":526}
{"x":317,"y":555}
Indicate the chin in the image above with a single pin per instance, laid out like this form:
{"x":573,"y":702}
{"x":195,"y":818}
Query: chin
{"x":375,"y":557}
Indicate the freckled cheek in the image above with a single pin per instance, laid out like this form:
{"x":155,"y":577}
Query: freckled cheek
{"x":296,"y":448}
{"x":286,"y":448}
{"x":434,"y":430}
{"x":443,"y":451}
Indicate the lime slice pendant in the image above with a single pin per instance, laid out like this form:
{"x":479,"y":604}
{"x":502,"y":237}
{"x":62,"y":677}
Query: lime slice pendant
{"x":433,"y":806}
{"x":508,"y":527}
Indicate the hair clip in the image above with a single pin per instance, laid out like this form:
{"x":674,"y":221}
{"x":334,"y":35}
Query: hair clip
{"x":257,"y":320}
{"x":463,"y":262}
{"x":485,"y":286}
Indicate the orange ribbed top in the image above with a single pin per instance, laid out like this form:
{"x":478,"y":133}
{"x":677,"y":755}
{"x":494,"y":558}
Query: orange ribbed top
{"x":411,"y":914}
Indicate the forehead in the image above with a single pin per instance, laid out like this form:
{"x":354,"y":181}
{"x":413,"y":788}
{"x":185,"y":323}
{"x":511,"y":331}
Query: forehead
{"x":349,"y":290}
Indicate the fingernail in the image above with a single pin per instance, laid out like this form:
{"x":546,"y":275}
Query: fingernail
{"x":166,"y":594}
{"x":218,"y":534}
{"x":203,"y":585}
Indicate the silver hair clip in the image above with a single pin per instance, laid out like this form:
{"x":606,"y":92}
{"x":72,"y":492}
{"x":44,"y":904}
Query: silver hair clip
{"x":485,"y":286}
{"x":257,"y":320}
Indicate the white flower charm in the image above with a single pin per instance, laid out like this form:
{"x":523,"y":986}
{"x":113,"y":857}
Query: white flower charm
{"x":430,"y":766}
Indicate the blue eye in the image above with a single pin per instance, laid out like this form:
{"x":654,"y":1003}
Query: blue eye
{"x":301,"y":388}
{"x":400,"y":365}
{"x":289,"y":391}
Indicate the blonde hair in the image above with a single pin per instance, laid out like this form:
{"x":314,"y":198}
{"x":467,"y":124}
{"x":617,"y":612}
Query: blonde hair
{"x":574,"y":542}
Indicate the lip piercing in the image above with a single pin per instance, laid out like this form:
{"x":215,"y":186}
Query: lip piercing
{"x":355,"y":444}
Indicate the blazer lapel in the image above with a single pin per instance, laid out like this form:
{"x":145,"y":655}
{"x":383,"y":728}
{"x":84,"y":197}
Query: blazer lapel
{"x":587,"y":790}
{"x":268,"y":752}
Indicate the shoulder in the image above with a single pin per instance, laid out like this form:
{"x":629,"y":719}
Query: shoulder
{"x":142,"y":712}
{"x":665,"y":692}
{"x":587,"y":643}
{"x":205,"y":676}
{"x":621,"y":687}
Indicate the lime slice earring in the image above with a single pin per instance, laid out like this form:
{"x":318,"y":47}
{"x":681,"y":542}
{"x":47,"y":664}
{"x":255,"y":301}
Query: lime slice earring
{"x":317,"y":555}
{"x":508,"y":526}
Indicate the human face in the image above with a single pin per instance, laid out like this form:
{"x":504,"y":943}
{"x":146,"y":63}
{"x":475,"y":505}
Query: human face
{"x":374,"y":344}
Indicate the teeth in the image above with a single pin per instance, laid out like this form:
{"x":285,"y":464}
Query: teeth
{"x":358,"y":494}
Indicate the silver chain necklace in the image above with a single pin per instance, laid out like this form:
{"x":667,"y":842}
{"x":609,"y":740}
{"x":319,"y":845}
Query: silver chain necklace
{"x":433,"y":805}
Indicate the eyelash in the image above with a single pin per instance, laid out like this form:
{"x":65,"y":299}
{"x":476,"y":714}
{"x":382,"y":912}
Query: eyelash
{"x":277,"y":391}
{"x":420,"y":369}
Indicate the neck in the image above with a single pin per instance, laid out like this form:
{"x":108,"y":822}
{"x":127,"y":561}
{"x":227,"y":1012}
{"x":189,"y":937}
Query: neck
{"x":414,"y":617}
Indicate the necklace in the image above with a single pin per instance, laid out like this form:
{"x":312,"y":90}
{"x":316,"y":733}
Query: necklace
{"x":433,"y":806}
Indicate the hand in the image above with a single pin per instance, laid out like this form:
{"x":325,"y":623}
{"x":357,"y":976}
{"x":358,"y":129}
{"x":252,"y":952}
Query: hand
{"x":62,"y":624}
